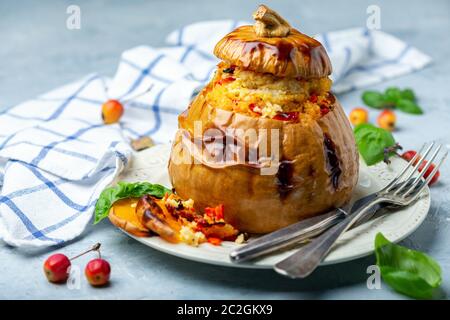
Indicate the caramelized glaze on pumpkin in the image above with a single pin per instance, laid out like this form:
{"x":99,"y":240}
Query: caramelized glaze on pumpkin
{"x":296,"y":55}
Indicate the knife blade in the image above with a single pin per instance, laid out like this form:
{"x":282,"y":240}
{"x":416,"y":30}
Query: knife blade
{"x":297,"y":232}
{"x":303,"y":230}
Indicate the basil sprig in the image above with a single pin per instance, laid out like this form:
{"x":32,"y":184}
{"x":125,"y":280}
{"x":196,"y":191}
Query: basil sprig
{"x":393,"y":98}
{"x":372,"y":142}
{"x":125,"y":190}
{"x":407,"y":271}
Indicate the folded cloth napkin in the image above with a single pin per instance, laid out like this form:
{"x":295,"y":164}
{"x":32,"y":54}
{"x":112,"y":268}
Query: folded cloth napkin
{"x":56,"y":155}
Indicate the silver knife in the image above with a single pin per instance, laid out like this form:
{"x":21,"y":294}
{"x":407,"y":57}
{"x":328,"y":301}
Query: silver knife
{"x":301,"y":231}
{"x":295,"y":233}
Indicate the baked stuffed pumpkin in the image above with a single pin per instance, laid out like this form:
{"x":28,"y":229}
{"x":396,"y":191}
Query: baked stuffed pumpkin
{"x":272,"y":82}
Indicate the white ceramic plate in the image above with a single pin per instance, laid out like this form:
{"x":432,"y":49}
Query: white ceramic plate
{"x":151,"y":165}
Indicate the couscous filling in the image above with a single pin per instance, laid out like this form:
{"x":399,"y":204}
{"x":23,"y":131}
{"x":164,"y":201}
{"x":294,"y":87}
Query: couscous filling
{"x":265,"y":95}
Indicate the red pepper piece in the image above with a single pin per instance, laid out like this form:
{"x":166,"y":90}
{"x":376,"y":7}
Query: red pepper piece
{"x":225,"y":80}
{"x":215,"y":241}
{"x":324,"y":110}
{"x":215,"y":213}
{"x":287,"y":116}
{"x":252,"y":107}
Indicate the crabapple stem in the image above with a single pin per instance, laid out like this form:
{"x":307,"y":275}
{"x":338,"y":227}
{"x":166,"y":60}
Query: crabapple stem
{"x":394,"y":148}
{"x":95,"y":247}
{"x":137,"y":95}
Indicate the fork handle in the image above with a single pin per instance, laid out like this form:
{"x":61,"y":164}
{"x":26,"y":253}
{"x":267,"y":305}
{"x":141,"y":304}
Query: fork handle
{"x":303,"y":262}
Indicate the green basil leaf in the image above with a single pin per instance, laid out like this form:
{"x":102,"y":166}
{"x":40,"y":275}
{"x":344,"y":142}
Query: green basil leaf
{"x":372,"y":141}
{"x":407,"y":271}
{"x":125,"y":190}
{"x":408,"y":106}
{"x":373,"y":99}
{"x":408,"y":94}
{"x":392,"y":95}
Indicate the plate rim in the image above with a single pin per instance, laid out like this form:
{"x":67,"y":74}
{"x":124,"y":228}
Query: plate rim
{"x":169,"y":248}
{"x":249,"y":265}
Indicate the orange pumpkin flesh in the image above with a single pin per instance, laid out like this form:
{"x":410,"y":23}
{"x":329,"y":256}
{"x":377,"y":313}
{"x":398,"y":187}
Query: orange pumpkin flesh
{"x":123,"y":215}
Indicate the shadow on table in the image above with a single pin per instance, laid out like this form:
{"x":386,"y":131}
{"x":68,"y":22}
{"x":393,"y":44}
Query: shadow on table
{"x":324,"y":278}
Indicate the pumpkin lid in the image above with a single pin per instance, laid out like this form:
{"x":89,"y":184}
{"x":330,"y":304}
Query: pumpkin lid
{"x":271,"y":45}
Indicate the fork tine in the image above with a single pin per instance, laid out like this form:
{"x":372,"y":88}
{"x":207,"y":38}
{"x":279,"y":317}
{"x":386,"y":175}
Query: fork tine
{"x":436,"y":167}
{"x":417,"y":192}
{"x":425,"y":168}
{"x":411,"y":162}
{"x":415,"y":169}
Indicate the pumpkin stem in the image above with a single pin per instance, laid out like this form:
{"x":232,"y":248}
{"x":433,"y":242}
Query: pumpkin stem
{"x":269,"y":23}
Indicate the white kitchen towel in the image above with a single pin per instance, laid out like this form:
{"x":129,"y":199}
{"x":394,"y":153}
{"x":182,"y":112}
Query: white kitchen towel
{"x":56,"y":155}
{"x":53,"y":175}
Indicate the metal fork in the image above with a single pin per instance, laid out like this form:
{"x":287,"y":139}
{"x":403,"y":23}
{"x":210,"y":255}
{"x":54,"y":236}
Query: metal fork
{"x":302,"y":231}
{"x":308,"y":228}
{"x":307,"y":258}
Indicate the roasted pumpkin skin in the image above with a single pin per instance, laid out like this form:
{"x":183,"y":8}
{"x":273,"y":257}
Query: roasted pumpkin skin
{"x":295,"y":55}
{"x":314,"y":156}
{"x":306,"y":182}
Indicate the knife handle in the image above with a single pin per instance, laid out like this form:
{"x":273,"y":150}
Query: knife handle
{"x":303,"y":262}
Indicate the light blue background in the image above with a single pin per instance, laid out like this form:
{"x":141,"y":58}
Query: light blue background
{"x":38,"y":53}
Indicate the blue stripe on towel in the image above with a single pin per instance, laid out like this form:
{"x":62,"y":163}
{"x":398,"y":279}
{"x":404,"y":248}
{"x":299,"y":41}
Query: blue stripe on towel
{"x":41,"y":187}
{"x":34,"y":189}
{"x":205,"y":55}
{"x":5,"y":142}
{"x":27,"y":118}
{"x":155,"y":109}
{"x":60,"y":150}
{"x":46,"y":149}
{"x":146,"y":72}
{"x":119,"y":154}
{"x":180,"y":36}
{"x":150,"y":75}
{"x":326,"y":42}
{"x":62,"y":223}
{"x":56,"y":133}
{"x":27,"y":222}
{"x":52,"y":186}
{"x":63,"y":106}
{"x":89,"y":100}
{"x":348,"y":58}
{"x":186,"y":53}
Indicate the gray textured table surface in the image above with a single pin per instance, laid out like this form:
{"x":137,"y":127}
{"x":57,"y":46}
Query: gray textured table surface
{"x":38,"y":53}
